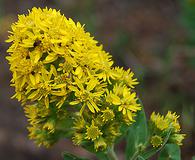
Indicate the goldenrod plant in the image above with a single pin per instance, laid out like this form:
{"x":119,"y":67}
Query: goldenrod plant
{"x":69,"y":88}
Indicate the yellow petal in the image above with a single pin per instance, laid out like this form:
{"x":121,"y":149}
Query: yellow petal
{"x":79,"y":84}
{"x":74,"y":102}
{"x":59,"y":93}
{"x":79,"y":72}
{"x":73,"y":88}
{"x":129,"y":114}
{"x":124,"y":111}
{"x":120,"y":108}
{"x":125,"y":92}
{"x":115,"y":99}
{"x":23,"y":81}
{"x":58,"y":86}
{"x":37,"y":56}
{"x":37,"y":78}
{"x":90,"y":107}
{"x":94,"y":105}
{"x":91,"y":85}
{"x":50,"y":58}
{"x":46,"y":101}
{"x":33,"y":95}
{"x":32,"y":79}
{"x":53,"y":70}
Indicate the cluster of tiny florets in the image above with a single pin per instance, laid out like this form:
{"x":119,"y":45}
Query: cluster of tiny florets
{"x":66,"y":81}
{"x":165,"y":127}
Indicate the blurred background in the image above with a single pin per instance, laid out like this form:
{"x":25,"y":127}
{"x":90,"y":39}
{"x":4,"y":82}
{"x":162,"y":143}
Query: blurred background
{"x":155,"y":38}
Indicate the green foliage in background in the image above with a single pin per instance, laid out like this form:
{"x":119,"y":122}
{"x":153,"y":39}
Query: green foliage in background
{"x":188,"y":18}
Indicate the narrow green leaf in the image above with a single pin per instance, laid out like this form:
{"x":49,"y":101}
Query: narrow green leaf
{"x":137,"y":136}
{"x":68,"y":156}
{"x":170,"y":152}
{"x":149,"y":153}
{"x":140,"y":158}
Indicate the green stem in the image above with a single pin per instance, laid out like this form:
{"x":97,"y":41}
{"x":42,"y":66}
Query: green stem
{"x":111,"y":154}
{"x":135,"y":155}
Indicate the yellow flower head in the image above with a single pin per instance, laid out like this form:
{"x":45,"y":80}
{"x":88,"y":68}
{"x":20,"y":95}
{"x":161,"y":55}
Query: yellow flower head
{"x":68,"y":80}
{"x":79,"y":123}
{"x":42,"y":127}
{"x":126,"y":100}
{"x":125,"y":76}
{"x":100,"y":144}
{"x":93,"y":132}
{"x":163,"y":126}
{"x":173,"y":119}
{"x":159,"y":121}
{"x":166,"y":122}
{"x":77,"y":138}
{"x":87,"y":92}
{"x":108,"y":115}
{"x":156,"y":141}
{"x":177,"y":138}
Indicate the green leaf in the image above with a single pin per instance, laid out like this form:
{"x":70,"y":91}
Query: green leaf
{"x":68,"y":156}
{"x":170,"y":152}
{"x":149,"y":153}
{"x":193,"y":158}
{"x":137,"y":135}
{"x":188,"y":18}
{"x":101,"y":155}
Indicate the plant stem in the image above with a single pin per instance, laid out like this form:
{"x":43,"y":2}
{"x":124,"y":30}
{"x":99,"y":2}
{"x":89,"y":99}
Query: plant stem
{"x":134,"y":157}
{"x":111,"y":154}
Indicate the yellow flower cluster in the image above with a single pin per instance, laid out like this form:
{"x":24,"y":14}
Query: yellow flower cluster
{"x":163,"y":126}
{"x":66,"y":81}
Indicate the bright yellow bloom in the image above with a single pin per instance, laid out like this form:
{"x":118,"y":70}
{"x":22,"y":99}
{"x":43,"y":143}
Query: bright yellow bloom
{"x":166,"y":125}
{"x":47,"y":51}
{"x":173,"y":119}
{"x":68,"y":80}
{"x":87,"y":92}
{"x":159,"y":121}
{"x":93,"y":132}
{"x":166,"y":122}
{"x":125,"y":77}
{"x":126,"y":100}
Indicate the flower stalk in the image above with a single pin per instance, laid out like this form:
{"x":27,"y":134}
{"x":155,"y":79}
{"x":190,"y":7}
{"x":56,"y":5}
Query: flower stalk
{"x":111,"y":153}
